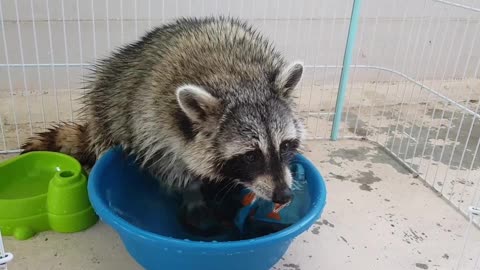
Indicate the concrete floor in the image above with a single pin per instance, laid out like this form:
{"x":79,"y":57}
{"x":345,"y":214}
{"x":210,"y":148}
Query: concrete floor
{"x":378,"y":216}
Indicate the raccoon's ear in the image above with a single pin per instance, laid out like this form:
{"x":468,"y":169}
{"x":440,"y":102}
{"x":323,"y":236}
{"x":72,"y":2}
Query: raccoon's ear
{"x":288,"y":78}
{"x":197,"y":103}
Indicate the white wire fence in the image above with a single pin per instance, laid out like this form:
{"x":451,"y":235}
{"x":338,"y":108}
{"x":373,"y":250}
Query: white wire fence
{"x":414,"y":86}
{"x":420,"y":99}
{"x":47,"y":47}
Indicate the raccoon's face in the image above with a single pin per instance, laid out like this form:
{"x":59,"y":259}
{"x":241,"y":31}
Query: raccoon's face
{"x":255,"y":140}
{"x":257,"y":143}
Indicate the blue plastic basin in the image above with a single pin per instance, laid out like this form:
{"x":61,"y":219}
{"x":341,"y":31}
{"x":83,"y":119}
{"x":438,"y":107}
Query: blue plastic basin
{"x":146,"y":220}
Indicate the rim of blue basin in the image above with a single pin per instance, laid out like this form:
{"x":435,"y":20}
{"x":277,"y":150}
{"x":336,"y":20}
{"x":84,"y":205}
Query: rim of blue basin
{"x":108,"y":216}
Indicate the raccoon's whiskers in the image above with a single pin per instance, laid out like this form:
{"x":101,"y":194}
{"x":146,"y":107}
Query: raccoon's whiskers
{"x":226,"y":189}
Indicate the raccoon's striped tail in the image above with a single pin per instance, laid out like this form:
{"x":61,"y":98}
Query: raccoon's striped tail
{"x":67,"y":138}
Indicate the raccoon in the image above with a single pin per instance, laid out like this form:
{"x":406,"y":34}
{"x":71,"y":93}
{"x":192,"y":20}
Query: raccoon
{"x":199,"y":99}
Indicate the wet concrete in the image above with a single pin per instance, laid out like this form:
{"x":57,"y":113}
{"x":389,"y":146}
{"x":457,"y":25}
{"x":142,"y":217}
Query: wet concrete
{"x":438,"y":141}
{"x":428,"y":136}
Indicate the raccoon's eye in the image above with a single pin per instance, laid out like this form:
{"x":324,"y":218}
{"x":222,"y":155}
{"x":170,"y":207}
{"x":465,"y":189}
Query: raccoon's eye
{"x":251,"y":157}
{"x":288,"y":146}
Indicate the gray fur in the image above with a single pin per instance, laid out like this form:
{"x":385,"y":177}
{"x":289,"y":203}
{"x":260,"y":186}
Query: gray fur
{"x":215,"y":75}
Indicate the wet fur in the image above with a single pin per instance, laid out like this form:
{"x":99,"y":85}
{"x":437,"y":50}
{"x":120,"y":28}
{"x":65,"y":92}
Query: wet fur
{"x":70,"y":138}
{"x":132,"y":100}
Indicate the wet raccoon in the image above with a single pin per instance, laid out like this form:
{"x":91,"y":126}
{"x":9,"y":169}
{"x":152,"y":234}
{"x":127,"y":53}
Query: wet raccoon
{"x":207,"y":99}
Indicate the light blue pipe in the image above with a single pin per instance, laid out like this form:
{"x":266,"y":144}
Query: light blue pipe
{"x":347,"y":60}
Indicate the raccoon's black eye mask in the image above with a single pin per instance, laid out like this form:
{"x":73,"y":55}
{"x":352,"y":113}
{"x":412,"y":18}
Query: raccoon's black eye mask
{"x":252,"y":156}
{"x":244,"y":166}
{"x":247,"y":166}
{"x":289,"y":148}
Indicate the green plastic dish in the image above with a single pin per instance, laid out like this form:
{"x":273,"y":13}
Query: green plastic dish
{"x":42,"y":191}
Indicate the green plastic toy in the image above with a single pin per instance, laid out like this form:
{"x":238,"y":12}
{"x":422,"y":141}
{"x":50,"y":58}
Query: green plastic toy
{"x":42,"y":191}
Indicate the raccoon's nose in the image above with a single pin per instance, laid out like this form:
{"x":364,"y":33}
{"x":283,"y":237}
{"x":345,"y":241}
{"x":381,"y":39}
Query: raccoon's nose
{"x":282,"y":196}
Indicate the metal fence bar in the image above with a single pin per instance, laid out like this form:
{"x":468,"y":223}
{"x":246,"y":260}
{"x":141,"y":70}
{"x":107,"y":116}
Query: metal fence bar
{"x":372,"y":42}
{"x":349,"y":47}
{"x":404,"y":124}
{"x":339,"y":67}
{"x":305,"y":52}
{"x":122,"y":32}
{"x":324,"y":85}
{"x":37,"y":58}
{"x":395,"y":57}
{"x":67,"y":69}
{"x":24,"y":75}
{"x":450,"y":50}
{"x":357,"y":57}
{"x":52,"y":60}
{"x":467,"y":102}
{"x":417,"y":74}
{"x":383,"y":54}
{"x":314,"y":76}
{"x":94,"y":36}
{"x":400,"y":107}
{"x":9,"y":76}
{"x":80,"y":46}
{"x":458,"y":5}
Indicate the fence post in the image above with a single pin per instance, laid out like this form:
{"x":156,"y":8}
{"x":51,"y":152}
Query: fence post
{"x":347,"y":60}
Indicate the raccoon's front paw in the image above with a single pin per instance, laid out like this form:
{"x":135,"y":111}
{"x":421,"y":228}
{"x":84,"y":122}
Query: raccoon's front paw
{"x":199,"y":219}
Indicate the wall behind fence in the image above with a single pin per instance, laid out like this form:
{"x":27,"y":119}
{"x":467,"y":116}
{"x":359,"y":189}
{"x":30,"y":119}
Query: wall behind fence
{"x":74,"y":32}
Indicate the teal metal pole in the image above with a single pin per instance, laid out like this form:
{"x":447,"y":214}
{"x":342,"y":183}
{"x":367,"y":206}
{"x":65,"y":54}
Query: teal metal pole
{"x":347,"y":61}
